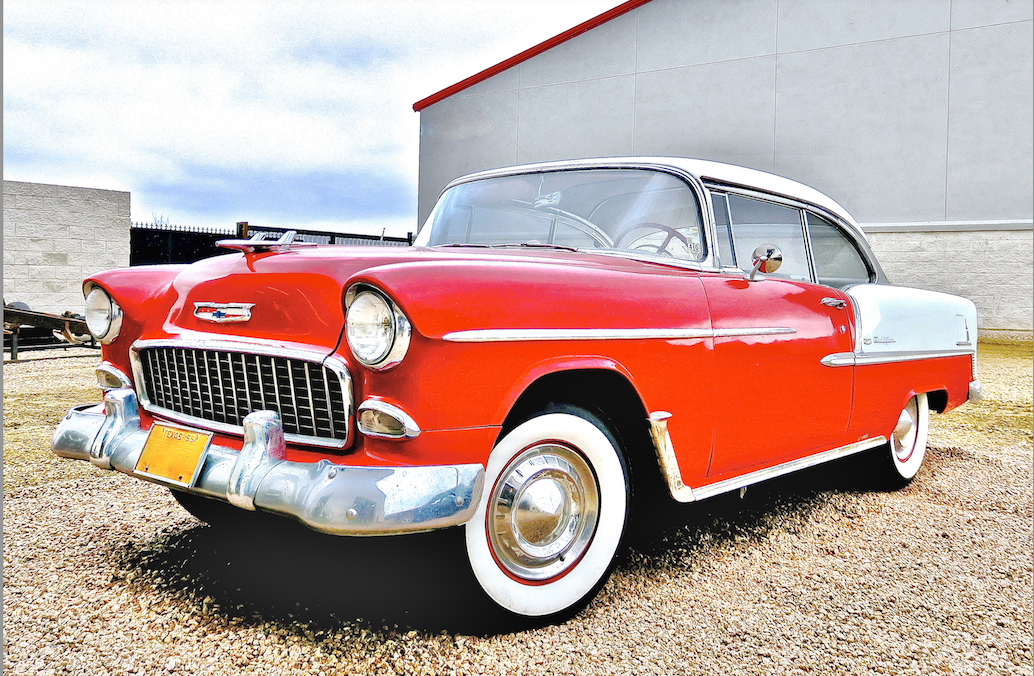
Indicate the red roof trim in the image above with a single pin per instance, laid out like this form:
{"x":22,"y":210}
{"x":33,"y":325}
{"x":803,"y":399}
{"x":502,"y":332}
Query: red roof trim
{"x":528,"y":53}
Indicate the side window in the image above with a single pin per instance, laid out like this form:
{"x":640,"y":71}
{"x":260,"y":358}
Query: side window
{"x":837,"y":260}
{"x":726,"y":253}
{"x":756,"y":222}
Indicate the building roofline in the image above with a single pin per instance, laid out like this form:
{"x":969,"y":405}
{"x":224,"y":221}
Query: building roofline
{"x":528,"y":53}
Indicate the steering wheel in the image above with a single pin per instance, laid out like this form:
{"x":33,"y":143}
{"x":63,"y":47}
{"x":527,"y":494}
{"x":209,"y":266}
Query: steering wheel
{"x":657,"y":248}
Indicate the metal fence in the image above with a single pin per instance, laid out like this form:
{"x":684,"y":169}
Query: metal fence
{"x":156,"y":243}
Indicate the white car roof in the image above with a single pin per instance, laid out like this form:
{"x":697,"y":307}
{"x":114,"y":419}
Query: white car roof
{"x":706,"y":170}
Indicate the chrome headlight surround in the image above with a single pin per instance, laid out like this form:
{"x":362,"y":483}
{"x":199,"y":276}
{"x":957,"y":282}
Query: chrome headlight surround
{"x":103,"y":314}
{"x":397,"y":329}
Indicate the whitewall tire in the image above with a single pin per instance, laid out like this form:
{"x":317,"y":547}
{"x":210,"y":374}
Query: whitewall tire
{"x":908,"y":440}
{"x":552,"y":516}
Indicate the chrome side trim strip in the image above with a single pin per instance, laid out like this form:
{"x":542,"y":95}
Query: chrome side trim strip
{"x":772,"y":472}
{"x":838,"y":359}
{"x":515,"y":335}
{"x":761,"y":331}
{"x":856,"y":359}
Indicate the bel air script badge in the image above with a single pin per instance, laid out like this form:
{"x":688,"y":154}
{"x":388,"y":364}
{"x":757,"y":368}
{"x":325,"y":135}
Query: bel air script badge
{"x":223,"y":313}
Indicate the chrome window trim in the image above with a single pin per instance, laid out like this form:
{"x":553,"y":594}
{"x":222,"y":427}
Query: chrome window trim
{"x":712,"y":192}
{"x":853,"y":233}
{"x":518,"y":335}
{"x":867,"y":359}
{"x":332,"y":362}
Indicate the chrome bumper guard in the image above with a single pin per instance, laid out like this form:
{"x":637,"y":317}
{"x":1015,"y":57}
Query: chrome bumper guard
{"x":327,"y":497}
{"x":976,"y":391}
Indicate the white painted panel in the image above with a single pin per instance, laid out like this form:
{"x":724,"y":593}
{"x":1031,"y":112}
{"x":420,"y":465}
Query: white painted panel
{"x":867,"y":125}
{"x":605,"y":51}
{"x":674,"y":33}
{"x":991,"y":123}
{"x":900,"y":319}
{"x":974,"y":13}
{"x":579,"y":119}
{"x":720,"y":111}
{"x":813,"y":24}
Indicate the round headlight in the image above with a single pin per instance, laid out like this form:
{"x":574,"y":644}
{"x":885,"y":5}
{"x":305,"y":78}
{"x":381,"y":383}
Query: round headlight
{"x":103,"y":315}
{"x":371,"y":327}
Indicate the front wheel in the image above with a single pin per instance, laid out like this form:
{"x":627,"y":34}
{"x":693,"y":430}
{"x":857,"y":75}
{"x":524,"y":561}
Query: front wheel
{"x":907,"y":445}
{"x":546,"y":532}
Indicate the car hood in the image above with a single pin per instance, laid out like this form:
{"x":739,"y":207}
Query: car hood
{"x":296,"y":296}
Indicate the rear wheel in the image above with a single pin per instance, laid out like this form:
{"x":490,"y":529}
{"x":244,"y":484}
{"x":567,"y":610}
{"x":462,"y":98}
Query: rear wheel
{"x":903,"y":455}
{"x":545,"y":535}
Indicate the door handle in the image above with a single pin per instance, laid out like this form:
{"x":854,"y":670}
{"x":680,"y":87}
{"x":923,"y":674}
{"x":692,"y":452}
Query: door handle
{"x":835,"y":302}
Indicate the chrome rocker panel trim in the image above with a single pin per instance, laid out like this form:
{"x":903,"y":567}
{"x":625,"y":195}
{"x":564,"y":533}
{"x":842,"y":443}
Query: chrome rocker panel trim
{"x":327,"y":497}
{"x":683,"y":493}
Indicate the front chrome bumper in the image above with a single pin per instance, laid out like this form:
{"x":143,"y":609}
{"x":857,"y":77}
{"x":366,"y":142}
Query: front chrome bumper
{"x":327,"y":497}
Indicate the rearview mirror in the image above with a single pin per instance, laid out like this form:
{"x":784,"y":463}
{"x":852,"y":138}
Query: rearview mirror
{"x":766,"y":259}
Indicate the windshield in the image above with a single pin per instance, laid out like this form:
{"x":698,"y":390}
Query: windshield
{"x":647,"y":212}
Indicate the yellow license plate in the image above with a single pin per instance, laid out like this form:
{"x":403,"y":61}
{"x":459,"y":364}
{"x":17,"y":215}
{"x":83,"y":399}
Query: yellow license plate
{"x":173,"y":454}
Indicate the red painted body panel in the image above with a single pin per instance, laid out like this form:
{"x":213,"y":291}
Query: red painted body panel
{"x":881,"y":390}
{"x":737,"y":403}
{"x":776,"y":401}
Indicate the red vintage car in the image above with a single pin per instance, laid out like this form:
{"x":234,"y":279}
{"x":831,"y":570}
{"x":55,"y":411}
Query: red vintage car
{"x":557,"y":331}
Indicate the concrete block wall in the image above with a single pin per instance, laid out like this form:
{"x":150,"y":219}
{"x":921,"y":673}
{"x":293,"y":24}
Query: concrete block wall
{"x":55,"y":236}
{"x":992,"y":268}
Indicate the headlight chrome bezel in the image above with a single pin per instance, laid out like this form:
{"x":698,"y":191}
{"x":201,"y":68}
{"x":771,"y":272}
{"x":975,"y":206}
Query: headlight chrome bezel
{"x":112,"y":324}
{"x":401,"y":330}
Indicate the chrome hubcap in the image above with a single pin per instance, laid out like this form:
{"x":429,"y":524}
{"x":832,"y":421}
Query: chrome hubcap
{"x":543,"y":512}
{"x":903,"y":439}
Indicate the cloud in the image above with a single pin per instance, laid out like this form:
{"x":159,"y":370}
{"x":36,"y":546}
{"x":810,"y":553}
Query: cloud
{"x":207,"y":111}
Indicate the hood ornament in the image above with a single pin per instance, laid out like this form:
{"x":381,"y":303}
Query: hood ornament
{"x":258,"y":242}
{"x":223,"y":313}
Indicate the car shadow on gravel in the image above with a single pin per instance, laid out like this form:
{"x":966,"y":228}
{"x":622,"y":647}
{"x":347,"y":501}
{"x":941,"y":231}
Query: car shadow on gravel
{"x":273,"y":570}
{"x":663,"y":538}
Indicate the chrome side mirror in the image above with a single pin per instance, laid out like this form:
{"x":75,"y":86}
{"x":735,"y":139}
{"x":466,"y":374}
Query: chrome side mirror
{"x":766,"y":259}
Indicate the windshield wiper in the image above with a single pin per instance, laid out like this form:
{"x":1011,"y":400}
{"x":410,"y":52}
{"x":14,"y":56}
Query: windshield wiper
{"x":535,"y":245}
{"x":465,"y":244}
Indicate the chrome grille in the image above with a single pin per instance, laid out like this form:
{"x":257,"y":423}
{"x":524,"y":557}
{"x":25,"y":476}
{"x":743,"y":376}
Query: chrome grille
{"x":222,"y":387}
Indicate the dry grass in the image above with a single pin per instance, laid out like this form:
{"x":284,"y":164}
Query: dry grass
{"x":37,"y":394}
{"x":1003,"y":417}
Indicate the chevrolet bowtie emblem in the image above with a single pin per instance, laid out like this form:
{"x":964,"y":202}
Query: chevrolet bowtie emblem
{"x":222,"y":313}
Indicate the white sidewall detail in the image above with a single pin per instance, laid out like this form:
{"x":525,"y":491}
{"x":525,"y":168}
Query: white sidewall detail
{"x":552,"y":597}
{"x":910,"y":467}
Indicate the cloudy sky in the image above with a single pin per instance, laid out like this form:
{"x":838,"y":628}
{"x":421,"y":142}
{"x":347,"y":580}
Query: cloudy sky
{"x":280,"y":113}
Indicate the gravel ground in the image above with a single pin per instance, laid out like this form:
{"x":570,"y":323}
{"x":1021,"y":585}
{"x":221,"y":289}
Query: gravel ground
{"x":813,"y":573}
